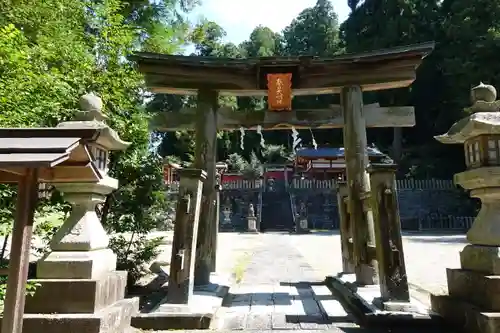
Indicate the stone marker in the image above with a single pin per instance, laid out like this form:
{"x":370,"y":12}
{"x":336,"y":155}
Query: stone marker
{"x":181,"y":278}
{"x":389,"y":245}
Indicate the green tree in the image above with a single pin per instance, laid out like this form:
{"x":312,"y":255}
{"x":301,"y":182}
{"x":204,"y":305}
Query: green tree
{"x":314,"y":32}
{"x":263,"y":42}
{"x":54,"y":51}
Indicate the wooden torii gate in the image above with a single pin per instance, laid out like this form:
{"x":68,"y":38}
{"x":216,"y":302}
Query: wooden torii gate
{"x":279,"y":79}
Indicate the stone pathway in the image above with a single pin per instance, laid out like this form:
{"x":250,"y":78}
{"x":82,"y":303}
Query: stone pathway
{"x":427,"y":255}
{"x":279,"y":290}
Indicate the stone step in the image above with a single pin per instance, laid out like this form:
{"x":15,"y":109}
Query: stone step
{"x":77,"y":296}
{"x":264,"y":307}
{"x":112,"y":319}
{"x":465,"y":316}
{"x":477,"y":288}
{"x":364,"y":303}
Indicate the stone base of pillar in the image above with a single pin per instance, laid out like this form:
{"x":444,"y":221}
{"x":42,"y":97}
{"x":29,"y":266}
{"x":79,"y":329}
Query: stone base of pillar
{"x":366,"y":274}
{"x":80,"y":305}
{"x":396,"y":306}
{"x":473,"y":301}
{"x":303,"y":227}
{"x":347,"y":266}
{"x":226,"y":225}
{"x":252,"y":225}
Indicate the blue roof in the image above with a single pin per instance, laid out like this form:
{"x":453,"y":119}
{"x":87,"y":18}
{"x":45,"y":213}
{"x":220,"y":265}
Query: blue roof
{"x":332,"y":152}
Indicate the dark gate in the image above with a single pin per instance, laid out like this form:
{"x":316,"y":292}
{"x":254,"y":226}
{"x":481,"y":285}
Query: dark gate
{"x":276,"y":207}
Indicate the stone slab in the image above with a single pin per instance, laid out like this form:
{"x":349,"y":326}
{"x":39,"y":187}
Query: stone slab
{"x":465,"y":316}
{"x":334,"y":310}
{"x":283,"y":321}
{"x":76,"y":265}
{"x":480,"y":258}
{"x":475,"y":287}
{"x":232,"y":321}
{"x":161,"y":321}
{"x":112,"y":319}
{"x":360,"y":301}
{"x":77,"y":296}
{"x":259,"y":321}
{"x":198,"y":314}
{"x":160,"y":267}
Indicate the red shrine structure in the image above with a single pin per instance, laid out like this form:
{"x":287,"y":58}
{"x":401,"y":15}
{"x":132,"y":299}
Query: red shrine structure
{"x":320,"y":164}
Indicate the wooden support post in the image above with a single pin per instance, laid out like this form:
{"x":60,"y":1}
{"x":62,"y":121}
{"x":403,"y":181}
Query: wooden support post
{"x":358,"y":184}
{"x":181,"y":278}
{"x":345,"y":229}
{"x":206,"y":145}
{"x":215,"y":224}
{"x":27,"y":196}
{"x":389,"y":244}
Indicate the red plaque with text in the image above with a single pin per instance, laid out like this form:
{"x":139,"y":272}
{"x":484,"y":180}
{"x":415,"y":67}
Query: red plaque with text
{"x":279,"y":91}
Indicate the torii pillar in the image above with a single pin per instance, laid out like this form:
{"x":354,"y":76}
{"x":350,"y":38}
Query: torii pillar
{"x":205,"y":159}
{"x":358,"y":185}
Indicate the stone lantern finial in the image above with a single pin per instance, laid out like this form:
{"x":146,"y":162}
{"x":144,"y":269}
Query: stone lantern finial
{"x":91,"y":108}
{"x":483,"y":92}
{"x":91,"y":116}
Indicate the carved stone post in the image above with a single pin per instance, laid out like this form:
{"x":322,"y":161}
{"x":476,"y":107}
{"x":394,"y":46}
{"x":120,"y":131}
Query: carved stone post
{"x":302,"y":222}
{"x":227,"y":223}
{"x":205,"y":159}
{"x":473,"y":302}
{"x":389,"y":245}
{"x":181,"y":278}
{"x":358,"y":185}
{"x":345,"y":229}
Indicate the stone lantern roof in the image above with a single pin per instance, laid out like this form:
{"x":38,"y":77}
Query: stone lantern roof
{"x":91,"y":117}
{"x":484,"y":120}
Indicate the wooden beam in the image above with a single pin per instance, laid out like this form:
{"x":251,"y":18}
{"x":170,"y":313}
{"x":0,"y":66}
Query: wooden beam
{"x":59,"y":174}
{"x":229,"y":119}
{"x":322,"y":80}
{"x":27,"y":196}
{"x":382,"y":69}
{"x":183,"y":255}
{"x":345,"y":229}
{"x":395,"y":82}
{"x":389,"y":243}
{"x":186,"y":76}
{"x":358,"y":185}
{"x":8,"y":177}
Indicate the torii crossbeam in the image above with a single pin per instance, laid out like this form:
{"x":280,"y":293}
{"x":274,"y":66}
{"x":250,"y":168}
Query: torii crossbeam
{"x":229,"y":119}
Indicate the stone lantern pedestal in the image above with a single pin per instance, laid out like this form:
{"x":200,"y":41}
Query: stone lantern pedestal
{"x":473,"y":300}
{"x":80,"y":288}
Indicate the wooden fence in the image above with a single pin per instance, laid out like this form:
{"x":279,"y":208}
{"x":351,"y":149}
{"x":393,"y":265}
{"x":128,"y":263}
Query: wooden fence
{"x":402,"y":184}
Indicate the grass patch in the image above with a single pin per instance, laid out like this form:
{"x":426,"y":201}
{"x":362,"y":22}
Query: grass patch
{"x":241,"y":266}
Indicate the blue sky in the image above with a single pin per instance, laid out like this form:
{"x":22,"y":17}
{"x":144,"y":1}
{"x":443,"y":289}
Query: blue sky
{"x":240,"y":17}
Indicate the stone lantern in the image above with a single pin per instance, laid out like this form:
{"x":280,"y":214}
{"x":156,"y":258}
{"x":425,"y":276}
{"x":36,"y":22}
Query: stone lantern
{"x":82,"y":231}
{"x":473,"y":301}
{"x":80,"y":271}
